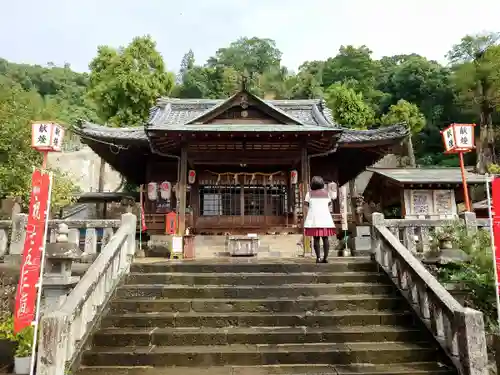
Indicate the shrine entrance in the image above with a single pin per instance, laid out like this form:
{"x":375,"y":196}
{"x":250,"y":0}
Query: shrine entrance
{"x":244,"y":201}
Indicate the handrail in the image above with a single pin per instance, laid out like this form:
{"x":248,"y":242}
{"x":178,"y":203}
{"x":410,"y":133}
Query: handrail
{"x":459,"y":330}
{"x":65,"y":329}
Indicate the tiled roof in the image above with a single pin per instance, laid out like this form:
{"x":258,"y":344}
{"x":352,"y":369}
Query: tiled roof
{"x":428,"y":175}
{"x":89,"y":131}
{"x":398,"y":131}
{"x":172,"y":112}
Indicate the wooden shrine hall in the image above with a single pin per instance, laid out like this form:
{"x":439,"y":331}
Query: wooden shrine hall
{"x":240,"y":165}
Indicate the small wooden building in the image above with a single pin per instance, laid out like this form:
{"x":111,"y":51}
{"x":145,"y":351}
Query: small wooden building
{"x":419,"y":192}
{"x":241,"y":155}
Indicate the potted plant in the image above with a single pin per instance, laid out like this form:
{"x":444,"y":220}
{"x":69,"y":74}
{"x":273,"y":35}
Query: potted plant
{"x":22,"y":357}
{"x":445,"y":237}
{"x":7,"y":342}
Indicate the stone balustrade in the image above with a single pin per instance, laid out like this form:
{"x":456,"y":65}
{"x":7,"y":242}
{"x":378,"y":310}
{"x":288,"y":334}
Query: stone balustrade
{"x":459,"y":330}
{"x":416,"y":234}
{"x":64,"y":330}
{"x":85,"y":233}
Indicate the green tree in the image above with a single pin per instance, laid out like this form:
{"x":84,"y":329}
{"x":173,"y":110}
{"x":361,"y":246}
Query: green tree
{"x":250,"y":55}
{"x":477,"y":79}
{"x":348,"y":107}
{"x":17,"y":109}
{"x":125,"y":82}
{"x":408,"y":113}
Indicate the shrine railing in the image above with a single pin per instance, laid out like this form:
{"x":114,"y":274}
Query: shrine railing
{"x":416,"y":234}
{"x":65,"y":329}
{"x":459,"y":330}
{"x":90,"y":235}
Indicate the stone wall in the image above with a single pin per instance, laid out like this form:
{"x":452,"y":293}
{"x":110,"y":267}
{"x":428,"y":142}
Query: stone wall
{"x":83,"y":167}
{"x":8,"y":284}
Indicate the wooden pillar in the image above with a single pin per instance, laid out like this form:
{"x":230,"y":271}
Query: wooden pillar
{"x":304,"y":177}
{"x":182,"y":187}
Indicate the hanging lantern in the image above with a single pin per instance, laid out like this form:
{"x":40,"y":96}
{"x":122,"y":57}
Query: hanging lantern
{"x":192,"y":176}
{"x":165,"y":190}
{"x":153,"y":191}
{"x":46,"y":136}
{"x":332,"y":190}
{"x":293,"y":177}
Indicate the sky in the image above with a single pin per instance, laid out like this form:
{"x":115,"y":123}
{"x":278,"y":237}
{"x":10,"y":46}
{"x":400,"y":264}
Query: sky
{"x":69,"y":31}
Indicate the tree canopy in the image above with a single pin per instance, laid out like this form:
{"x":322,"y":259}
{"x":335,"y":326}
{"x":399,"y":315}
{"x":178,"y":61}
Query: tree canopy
{"x":361,"y":91}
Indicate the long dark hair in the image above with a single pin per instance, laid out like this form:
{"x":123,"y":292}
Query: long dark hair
{"x":317,"y":183}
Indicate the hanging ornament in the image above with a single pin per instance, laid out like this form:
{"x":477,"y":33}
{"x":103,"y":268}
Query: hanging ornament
{"x":332,"y":190}
{"x":271,"y":180}
{"x":165,"y":190}
{"x":236,"y":178}
{"x":192,"y":176}
{"x":153,"y":191}
{"x":293,"y":177}
{"x":252,"y":179}
{"x":218,"y":179}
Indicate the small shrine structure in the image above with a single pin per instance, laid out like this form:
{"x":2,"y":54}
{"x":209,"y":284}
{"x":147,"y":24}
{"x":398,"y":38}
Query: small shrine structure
{"x":419,"y":193}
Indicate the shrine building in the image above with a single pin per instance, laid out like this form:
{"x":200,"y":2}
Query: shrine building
{"x":240,"y":165}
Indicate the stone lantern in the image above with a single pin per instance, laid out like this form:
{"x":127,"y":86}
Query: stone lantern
{"x":59,"y":258}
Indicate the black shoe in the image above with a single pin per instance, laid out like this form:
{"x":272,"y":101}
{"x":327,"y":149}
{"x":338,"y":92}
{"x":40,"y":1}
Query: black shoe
{"x":318,"y":260}
{"x":324,"y":261}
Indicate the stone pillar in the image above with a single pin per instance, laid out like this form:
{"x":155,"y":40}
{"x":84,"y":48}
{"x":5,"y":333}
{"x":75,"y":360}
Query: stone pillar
{"x":377,"y":219}
{"x":470,"y":222}
{"x":472,"y":342}
{"x":17,"y":238}
{"x":57,"y":280}
{"x":181,"y":194}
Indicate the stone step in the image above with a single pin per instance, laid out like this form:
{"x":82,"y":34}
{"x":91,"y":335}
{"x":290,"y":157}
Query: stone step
{"x":252,"y":278}
{"x":251,"y":291}
{"x":121,"y":337}
{"x":301,"y":304}
{"x":418,"y":368}
{"x":290,"y":319}
{"x":252,"y":355}
{"x":339,"y":264}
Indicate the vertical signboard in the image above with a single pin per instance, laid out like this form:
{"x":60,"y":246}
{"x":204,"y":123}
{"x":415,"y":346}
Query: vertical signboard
{"x":34,"y":245}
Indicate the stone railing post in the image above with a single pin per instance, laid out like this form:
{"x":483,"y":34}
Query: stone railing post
{"x":17,"y":238}
{"x":4,"y":239}
{"x":129,"y":221}
{"x":470,"y":222}
{"x":471,"y":342}
{"x":377,"y":219}
{"x":59,"y":257}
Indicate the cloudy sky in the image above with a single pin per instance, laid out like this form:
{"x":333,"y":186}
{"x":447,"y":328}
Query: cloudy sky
{"x":69,"y":31}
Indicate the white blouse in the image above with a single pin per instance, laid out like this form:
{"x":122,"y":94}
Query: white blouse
{"x":318,"y":214}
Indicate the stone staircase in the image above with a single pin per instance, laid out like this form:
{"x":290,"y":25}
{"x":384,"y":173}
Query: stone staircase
{"x":248,"y":317}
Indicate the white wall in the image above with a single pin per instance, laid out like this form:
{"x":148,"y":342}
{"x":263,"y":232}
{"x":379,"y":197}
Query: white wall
{"x":83,"y":167}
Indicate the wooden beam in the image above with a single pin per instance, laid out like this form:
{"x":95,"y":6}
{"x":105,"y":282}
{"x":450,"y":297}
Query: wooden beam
{"x":182,"y":185}
{"x":304,"y":176}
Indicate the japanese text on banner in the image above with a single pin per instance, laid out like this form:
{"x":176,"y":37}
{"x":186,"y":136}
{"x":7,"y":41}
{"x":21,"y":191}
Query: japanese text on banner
{"x":32,"y":252}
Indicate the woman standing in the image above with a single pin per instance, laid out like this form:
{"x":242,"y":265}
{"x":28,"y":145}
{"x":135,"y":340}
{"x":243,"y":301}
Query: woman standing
{"x":319,"y":223}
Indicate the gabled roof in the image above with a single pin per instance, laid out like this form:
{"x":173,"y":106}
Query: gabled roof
{"x":428,"y":175}
{"x":172,"y":113}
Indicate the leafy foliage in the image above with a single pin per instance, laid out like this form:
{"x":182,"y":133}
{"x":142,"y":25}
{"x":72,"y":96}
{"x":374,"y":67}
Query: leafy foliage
{"x":477,"y":274}
{"x":125,"y":82}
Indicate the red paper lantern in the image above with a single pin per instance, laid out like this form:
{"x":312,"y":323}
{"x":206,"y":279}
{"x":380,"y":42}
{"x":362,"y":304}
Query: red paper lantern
{"x":153,"y":191}
{"x":294,"y":177}
{"x":192,"y":176}
{"x":165,"y":190}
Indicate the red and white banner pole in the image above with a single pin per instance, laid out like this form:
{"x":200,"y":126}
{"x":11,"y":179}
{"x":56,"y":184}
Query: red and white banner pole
{"x":493,"y":199}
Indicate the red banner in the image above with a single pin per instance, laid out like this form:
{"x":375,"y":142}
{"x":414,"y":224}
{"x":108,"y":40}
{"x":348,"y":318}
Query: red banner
{"x":143,"y":219}
{"x":495,"y":211}
{"x":32,"y":253}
